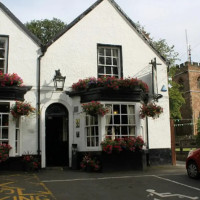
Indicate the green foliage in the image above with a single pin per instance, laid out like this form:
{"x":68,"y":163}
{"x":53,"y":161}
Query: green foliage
{"x":175,"y":96}
{"x":45,"y":29}
{"x":176,"y":100}
{"x":198,"y":134}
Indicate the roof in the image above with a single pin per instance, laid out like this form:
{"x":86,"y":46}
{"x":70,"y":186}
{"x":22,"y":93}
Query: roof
{"x":74,"y":22}
{"x":20,"y":24}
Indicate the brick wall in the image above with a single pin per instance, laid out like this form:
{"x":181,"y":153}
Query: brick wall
{"x":187,"y":74}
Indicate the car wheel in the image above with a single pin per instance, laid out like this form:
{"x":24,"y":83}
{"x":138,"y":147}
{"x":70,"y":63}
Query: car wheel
{"x":192,"y":170}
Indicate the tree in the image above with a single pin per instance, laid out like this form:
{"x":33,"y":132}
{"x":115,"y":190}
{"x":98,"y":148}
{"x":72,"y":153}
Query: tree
{"x":176,"y":99}
{"x":45,"y":29}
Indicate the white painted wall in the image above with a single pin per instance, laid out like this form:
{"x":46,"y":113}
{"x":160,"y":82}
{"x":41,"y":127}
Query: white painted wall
{"x":22,"y":59}
{"x":75,"y":54}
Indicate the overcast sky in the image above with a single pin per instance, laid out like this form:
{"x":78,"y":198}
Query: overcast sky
{"x":165,"y":19}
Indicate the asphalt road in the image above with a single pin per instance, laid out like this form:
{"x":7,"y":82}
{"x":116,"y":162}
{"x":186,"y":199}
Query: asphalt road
{"x":166,"y":182}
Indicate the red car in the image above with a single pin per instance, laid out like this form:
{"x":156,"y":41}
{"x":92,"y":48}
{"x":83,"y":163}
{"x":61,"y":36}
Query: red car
{"x":193,"y":164}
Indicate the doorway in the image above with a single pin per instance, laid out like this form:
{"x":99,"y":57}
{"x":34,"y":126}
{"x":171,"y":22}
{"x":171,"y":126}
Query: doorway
{"x":57,"y":138}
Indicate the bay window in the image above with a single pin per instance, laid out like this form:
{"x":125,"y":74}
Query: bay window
{"x":92,"y":131}
{"x":120,"y":121}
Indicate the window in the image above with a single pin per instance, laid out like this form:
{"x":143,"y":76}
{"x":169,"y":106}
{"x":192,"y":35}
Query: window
{"x":120,"y":121}
{"x":17,"y":136}
{"x":4,"y":122}
{"x":92,"y":132}
{"x":109,"y":61}
{"x":3,"y":53}
{"x":198,"y":83}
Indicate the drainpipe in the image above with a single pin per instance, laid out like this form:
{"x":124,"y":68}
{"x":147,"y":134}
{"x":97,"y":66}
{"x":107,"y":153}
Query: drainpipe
{"x":43,"y":50}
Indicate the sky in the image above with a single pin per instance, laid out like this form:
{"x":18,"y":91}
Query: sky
{"x":163,"y":19}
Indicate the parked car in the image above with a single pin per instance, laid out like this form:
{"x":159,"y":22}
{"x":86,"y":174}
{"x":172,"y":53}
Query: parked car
{"x":193,"y":164}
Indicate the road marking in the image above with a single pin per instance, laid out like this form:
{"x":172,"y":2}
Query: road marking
{"x":166,"y":179}
{"x":168,"y":194}
{"x":93,"y":179}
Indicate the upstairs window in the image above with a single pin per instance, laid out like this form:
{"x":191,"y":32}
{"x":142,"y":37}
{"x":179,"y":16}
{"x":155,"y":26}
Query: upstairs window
{"x":109,"y":61}
{"x":3,"y":53}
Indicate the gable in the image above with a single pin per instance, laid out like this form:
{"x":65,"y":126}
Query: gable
{"x":18,"y":23}
{"x":119,"y":11}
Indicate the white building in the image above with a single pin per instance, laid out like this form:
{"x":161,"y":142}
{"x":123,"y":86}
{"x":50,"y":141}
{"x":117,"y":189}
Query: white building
{"x":101,"y":41}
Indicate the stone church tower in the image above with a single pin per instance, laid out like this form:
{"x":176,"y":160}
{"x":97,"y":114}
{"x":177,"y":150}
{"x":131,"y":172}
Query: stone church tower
{"x":188,"y":75}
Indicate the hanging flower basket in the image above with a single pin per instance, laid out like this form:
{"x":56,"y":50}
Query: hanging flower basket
{"x":150,"y":110}
{"x":94,"y":108}
{"x":21,"y":109}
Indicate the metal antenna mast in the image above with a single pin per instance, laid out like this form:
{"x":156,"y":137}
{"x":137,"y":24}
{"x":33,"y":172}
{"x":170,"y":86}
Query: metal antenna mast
{"x":188,"y":48}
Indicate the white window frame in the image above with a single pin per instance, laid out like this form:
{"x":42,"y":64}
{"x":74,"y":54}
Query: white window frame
{"x":114,"y":125}
{"x":17,"y":137}
{"x":90,"y":125}
{"x":103,"y":57}
{"x":4,"y":39}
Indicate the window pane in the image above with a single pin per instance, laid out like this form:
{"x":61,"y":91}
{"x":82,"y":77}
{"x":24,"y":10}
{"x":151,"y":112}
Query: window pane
{"x":124,"y":109}
{"x":131,"y":119}
{"x":115,"y":61}
{"x":2,"y":53}
{"x":108,"y":70}
{"x":108,"y":119}
{"x":88,"y":142}
{"x":92,"y":142}
{"x":2,"y":44}
{"x":108,"y":61}
{"x":101,"y":51}
{"x":95,"y":120}
{"x":92,"y":131}
{"x":124,"y":119}
{"x":5,"y":120}
{"x":132,"y":130}
{"x":108,"y":130}
{"x":101,"y":60}
{"x":101,"y":69}
{"x":4,"y":133}
{"x":115,"y":70}
{"x":117,"y":130}
{"x":87,"y":120}
{"x":1,"y":65}
{"x":116,"y":109}
{"x":4,"y":107}
{"x":124,"y":130}
{"x":117,"y":119}
{"x":97,"y":141}
{"x":115,"y":53}
{"x":131,"y":109}
{"x":108,"y":52}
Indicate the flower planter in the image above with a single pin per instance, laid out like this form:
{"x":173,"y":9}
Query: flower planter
{"x":125,"y":160}
{"x":106,"y":94}
{"x":13,"y":92}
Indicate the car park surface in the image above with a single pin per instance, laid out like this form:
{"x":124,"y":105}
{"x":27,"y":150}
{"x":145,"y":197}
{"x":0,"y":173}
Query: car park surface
{"x":160,"y":182}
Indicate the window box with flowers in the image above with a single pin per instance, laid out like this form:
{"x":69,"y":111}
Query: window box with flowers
{"x":21,"y":109}
{"x":123,"y":154}
{"x":150,"y":110}
{"x":11,"y":87}
{"x":110,"y":88}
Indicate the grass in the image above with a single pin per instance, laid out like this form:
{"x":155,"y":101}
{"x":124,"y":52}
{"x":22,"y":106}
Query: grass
{"x":185,"y":149}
